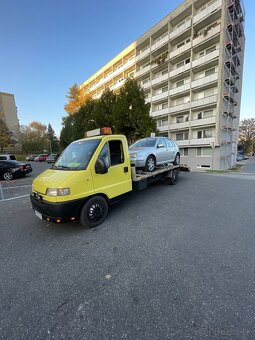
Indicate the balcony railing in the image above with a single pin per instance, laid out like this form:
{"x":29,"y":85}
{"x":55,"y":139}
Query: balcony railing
{"x":163,"y":128}
{"x":143,"y":70}
{"x":180,"y":107}
{"x":207,"y":11}
{"x":180,"y":89}
{"x":182,"y":142}
{"x":205,"y":80}
{"x":206,"y":35}
{"x":160,"y":79}
{"x":203,"y":121}
{"x":143,"y":54}
{"x":159,"y":43}
{"x":177,"y":126}
{"x":202,"y":141}
{"x":160,"y":96}
{"x":206,"y":58}
{"x":180,"y":50}
{"x":180,"y":70}
{"x":204,"y":101}
{"x":180,"y":29}
{"x":161,"y":112}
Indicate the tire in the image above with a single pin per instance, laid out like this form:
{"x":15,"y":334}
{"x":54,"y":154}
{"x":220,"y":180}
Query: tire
{"x":150,"y":164}
{"x":177,"y":159}
{"x":94,"y":212}
{"x":174,"y":179}
{"x":7,"y":176}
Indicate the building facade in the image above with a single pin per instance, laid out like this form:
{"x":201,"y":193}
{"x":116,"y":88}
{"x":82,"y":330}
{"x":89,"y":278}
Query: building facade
{"x":8,"y":112}
{"x":190,"y":66}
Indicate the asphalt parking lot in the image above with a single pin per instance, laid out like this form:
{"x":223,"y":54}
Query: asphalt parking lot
{"x":171,"y":262}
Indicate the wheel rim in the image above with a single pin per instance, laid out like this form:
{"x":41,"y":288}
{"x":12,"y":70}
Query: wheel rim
{"x":151,"y":164}
{"x":96,"y":212}
{"x":178,"y":159}
{"x":7,"y":176}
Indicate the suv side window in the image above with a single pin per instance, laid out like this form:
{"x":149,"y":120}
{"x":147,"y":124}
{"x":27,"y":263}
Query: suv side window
{"x":169,"y":143}
{"x":116,"y":152}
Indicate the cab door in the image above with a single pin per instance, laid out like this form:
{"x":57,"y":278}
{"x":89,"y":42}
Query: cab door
{"x":117,"y":180}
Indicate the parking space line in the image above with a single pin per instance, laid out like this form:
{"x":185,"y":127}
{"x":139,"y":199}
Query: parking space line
{"x":14,"y":198}
{"x":19,"y":186}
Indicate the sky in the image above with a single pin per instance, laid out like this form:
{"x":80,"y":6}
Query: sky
{"x":48,"y":45}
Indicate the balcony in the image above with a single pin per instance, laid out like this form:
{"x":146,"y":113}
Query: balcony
{"x":184,"y":142}
{"x":159,"y":43}
{"x":160,"y":79}
{"x":158,"y":113}
{"x":163,"y":128}
{"x":204,"y":81}
{"x":143,"y":71}
{"x":143,"y":54}
{"x":207,"y":11}
{"x":181,"y":126}
{"x":160,"y":96}
{"x":203,"y":121}
{"x":202,"y":141}
{"x":206,"y":58}
{"x":180,"y":29}
{"x":204,"y":101}
{"x":179,"y":89}
{"x":180,"y":107}
{"x":206,"y":35}
{"x":179,"y":70}
{"x":119,"y":84}
{"x":180,"y":50}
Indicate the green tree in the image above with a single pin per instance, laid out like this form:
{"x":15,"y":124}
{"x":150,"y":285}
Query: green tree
{"x":102,"y":113}
{"x":6,"y":136}
{"x":247,"y":135}
{"x":54,"y":143}
{"x":131,"y":114}
{"x":33,"y":137}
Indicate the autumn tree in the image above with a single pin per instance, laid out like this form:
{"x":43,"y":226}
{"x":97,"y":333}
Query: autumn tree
{"x":131,"y":114}
{"x":6,"y":136}
{"x":247,"y":135}
{"x":76,"y":99}
{"x":33,"y":137}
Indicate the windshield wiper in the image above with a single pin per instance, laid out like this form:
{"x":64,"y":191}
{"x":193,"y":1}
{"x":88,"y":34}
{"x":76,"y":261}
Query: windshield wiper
{"x":60,"y":167}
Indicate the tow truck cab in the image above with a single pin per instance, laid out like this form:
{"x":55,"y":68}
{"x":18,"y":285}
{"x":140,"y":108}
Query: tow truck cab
{"x":87,"y":176}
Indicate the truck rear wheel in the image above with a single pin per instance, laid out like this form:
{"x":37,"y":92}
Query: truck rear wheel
{"x":174,"y":179}
{"x":94,"y":212}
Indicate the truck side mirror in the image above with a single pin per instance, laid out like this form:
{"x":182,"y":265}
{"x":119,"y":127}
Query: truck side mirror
{"x":101,"y":167}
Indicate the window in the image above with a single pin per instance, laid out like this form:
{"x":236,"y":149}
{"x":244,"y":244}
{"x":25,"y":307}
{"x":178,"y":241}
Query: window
{"x":164,"y":105}
{"x":164,"y":89}
{"x":180,"y":83}
{"x":164,"y":72}
{"x":209,"y":92}
{"x":184,"y":42}
{"x":210,"y":71}
{"x":170,"y":143}
{"x":182,"y":63}
{"x":104,"y":155}
{"x":162,"y":122}
{"x":211,"y":49}
{"x":182,"y":136}
{"x":116,"y":152}
{"x":184,"y":152}
{"x":162,"y":142}
{"x":205,"y":114}
{"x":181,"y":119}
{"x":204,"y":134}
{"x":206,"y":152}
{"x":146,"y":80}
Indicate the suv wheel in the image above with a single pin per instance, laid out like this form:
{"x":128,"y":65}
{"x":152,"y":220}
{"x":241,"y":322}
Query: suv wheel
{"x":177,"y":159}
{"x":150,"y":163}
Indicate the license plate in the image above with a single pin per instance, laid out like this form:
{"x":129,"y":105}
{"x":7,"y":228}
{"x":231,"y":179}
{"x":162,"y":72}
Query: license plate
{"x":39,"y":215}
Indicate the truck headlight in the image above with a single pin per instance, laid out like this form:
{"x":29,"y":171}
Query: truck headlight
{"x":57,"y":191}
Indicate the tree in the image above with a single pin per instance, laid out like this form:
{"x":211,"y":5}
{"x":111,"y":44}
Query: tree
{"x":33,"y":137}
{"x":76,"y":99}
{"x":247,"y":135}
{"x":102,"y":112}
{"x":54,"y":144}
{"x":131,"y":113}
{"x":6,"y":136}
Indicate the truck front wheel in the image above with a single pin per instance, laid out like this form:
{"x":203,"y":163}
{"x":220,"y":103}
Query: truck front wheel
{"x":94,"y":212}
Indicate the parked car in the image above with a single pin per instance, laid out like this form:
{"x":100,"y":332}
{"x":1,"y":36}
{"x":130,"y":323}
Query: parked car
{"x":30,"y":157}
{"x":7,"y":157}
{"x":12,"y":169}
{"x":147,"y":153}
{"x":41,"y":158}
{"x":240,"y":157}
{"x":52,"y":158}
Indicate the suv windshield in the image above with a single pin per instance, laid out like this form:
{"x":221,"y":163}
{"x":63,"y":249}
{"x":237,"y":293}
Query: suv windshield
{"x":144,"y":143}
{"x":77,"y":155}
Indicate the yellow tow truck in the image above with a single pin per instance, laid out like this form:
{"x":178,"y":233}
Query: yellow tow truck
{"x":90,"y":174}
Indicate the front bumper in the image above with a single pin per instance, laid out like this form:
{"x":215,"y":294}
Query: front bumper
{"x":57,"y":212}
{"x":138,"y":163}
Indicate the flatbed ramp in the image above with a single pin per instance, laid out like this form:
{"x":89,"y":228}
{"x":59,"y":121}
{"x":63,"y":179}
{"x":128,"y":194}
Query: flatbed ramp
{"x":141,"y":179}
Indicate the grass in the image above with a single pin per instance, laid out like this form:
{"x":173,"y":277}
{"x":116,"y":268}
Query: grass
{"x":235,"y":168}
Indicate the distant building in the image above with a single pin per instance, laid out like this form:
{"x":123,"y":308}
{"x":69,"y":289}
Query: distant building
{"x":8,"y":113}
{"x":190,"y":65}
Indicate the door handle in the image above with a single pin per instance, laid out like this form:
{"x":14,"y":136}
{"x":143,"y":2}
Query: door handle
{"x":125,"y":169}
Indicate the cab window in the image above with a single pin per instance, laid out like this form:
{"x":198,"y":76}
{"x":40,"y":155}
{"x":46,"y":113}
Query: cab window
{"x":104,"y":155}
{"x":112,"y":153}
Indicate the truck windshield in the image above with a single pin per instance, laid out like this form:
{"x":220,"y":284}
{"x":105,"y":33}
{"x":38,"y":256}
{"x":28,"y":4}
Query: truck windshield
{"x":144,"y":143}
{"x":77,"y":155}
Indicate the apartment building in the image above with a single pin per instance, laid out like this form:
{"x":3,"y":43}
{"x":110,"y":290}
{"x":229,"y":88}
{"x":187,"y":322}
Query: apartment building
{"x":190,"y":65}
{"x":8,"y":112}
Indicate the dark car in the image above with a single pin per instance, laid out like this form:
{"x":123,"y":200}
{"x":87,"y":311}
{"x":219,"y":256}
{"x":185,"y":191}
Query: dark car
{"x":13,"y":169}
{"x":52,"y":158}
